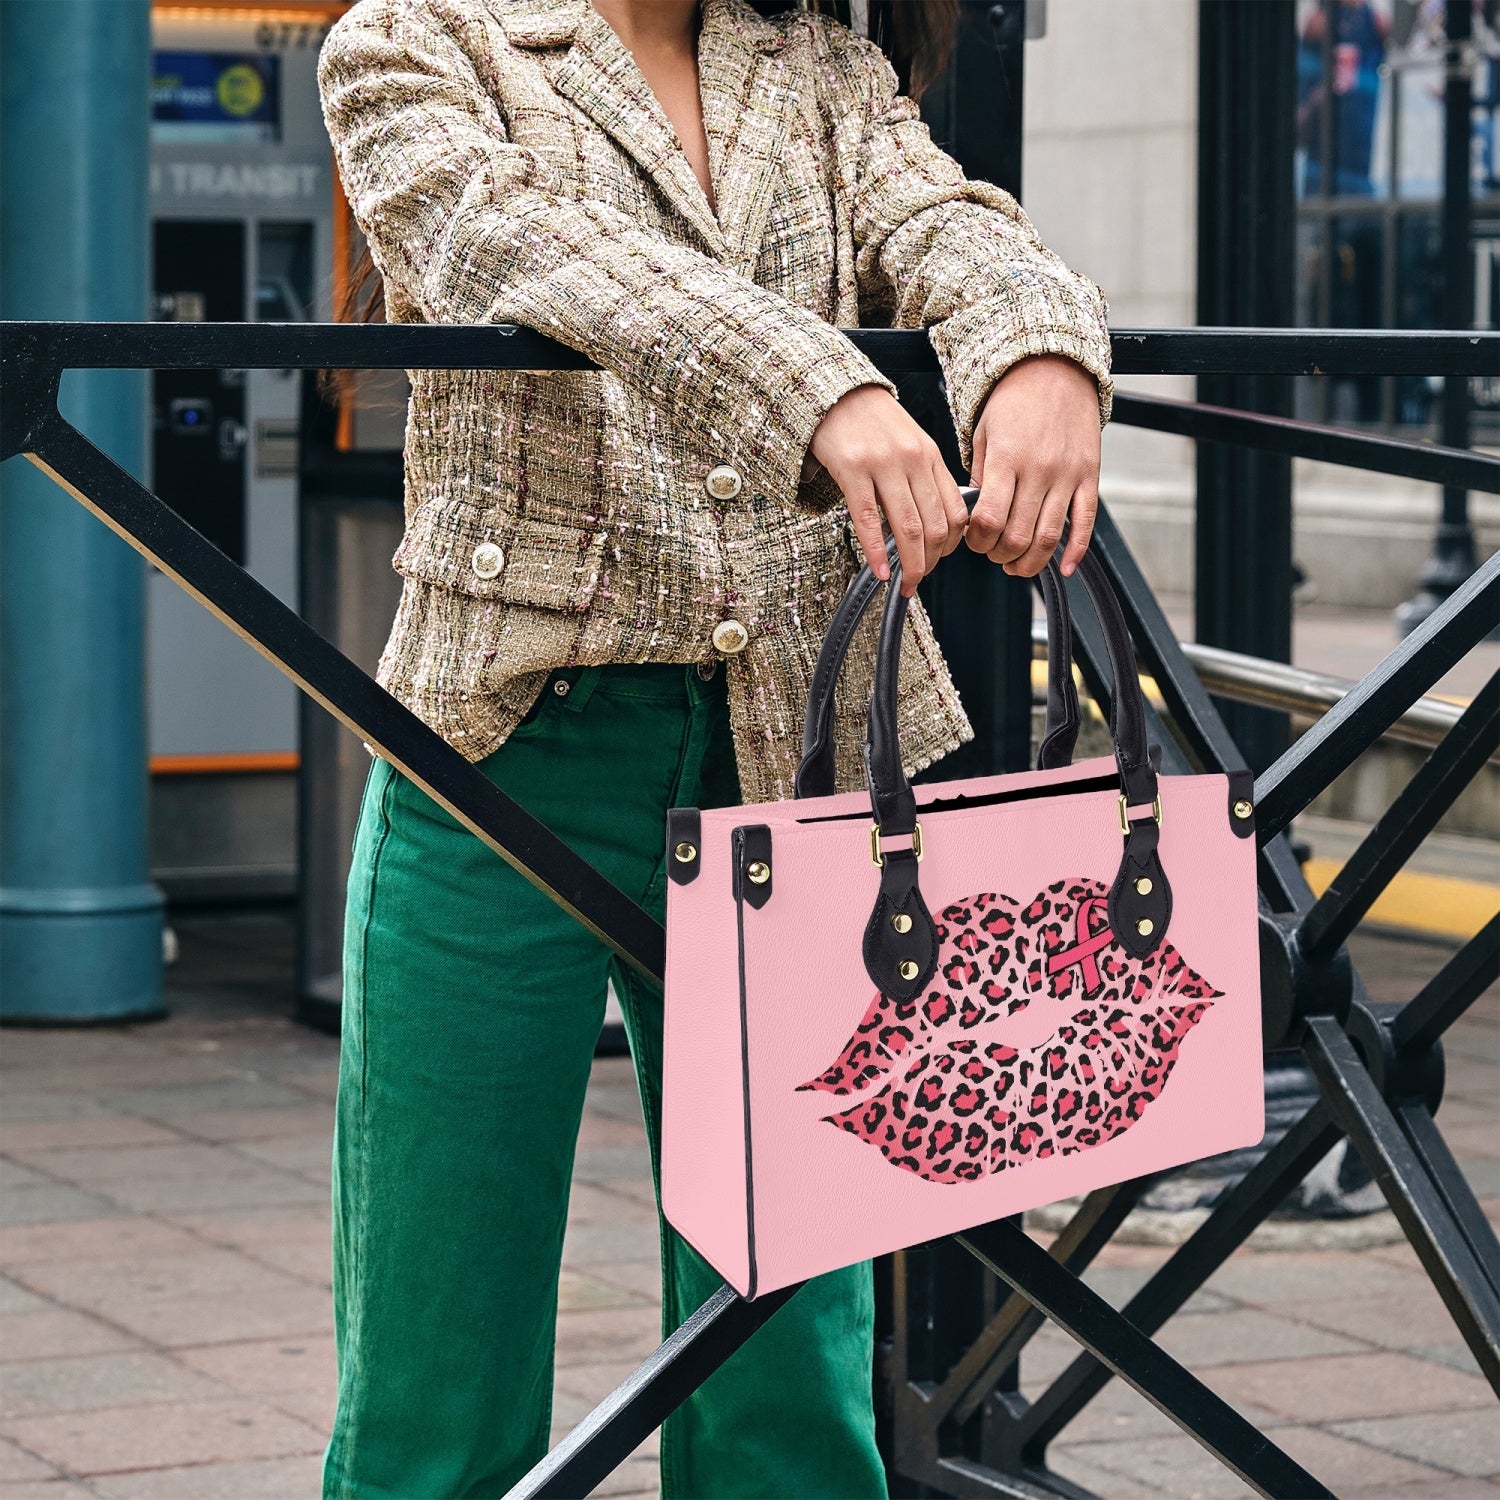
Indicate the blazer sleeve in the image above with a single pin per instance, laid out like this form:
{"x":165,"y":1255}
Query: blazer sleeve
{"x":960,"y":257}
{"x":473,"y":228}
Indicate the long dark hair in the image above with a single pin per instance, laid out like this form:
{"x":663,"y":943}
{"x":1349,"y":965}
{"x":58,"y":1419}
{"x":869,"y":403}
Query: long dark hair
{"x":917,"y":35}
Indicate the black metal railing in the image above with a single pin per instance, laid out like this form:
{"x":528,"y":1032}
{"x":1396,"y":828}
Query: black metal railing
{"x":955,"y":1420}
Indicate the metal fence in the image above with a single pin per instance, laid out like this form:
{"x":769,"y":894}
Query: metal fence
{"x":954,"y":1419}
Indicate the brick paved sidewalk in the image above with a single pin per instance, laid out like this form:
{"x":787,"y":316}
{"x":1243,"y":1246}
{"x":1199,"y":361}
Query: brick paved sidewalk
{"x":164,"y":1308}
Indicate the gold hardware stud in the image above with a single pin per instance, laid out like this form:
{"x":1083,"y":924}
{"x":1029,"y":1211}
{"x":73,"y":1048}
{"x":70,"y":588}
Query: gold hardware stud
{"x":686,"y":853}
{"x":909,"y":969}
{"x":759,"y":872}
{"x":1243,"y":809}
{"x":1143,"y":886}
{"x":901,"y":922}
{"x":1145,"y":927}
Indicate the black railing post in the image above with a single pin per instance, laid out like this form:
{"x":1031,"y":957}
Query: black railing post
{"x":1246,"y":262}
{"x":1453,"y":555}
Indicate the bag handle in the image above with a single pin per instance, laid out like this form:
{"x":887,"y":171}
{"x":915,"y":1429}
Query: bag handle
{"x":816,"y":770}
{"x":900,"y":942}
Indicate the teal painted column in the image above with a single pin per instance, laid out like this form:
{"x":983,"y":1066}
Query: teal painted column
{"x":80,"y":921}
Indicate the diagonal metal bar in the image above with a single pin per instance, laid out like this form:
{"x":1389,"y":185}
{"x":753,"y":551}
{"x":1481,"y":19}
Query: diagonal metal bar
{"x":1437,"y":1160}
{"x":1450,"y":992}
{"x":1191,"y":711}
{"x":1351,"y":1096}
{"x":1000,"y":1342}
{"x":291,"y":645}
{"x":648,"y":1396}
{"x":1427,"y":462}
{"x":1112,"y":1339}
{"x":1439,"y":782}
{"x":1344,"y":733}
{"x":1234,"y":1218}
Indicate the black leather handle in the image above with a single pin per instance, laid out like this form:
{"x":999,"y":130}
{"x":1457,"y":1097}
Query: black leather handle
{"x":890,"y":792}
{"x":816,"y":771}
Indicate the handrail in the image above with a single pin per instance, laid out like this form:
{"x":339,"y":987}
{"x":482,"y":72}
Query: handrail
{"x":1275,"y":684}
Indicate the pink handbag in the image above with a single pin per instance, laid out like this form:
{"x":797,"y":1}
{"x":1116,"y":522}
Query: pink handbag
{"x":999,"y":992}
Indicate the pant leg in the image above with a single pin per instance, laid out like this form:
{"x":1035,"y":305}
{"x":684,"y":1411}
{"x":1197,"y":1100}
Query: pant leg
{"x":790,"y":1415}
{"x":472,"y":1004}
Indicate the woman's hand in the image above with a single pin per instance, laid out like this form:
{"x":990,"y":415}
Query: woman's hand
{"x":1036,"y":462}
{"x":883,"y":462}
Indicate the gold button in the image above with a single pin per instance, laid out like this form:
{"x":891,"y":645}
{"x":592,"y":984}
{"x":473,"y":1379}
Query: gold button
{"x":730,"y":636}
{"x":909,"y":969}
{"x":759,"y":872}
{"x":686,"y":853}
{"x":1145,"y":927}
{"x":1143,"y":885}
{"x":901,"y":922}
{"x":488,"y":559}
{"x":723,"y":482}
{"x":1242,"y":809}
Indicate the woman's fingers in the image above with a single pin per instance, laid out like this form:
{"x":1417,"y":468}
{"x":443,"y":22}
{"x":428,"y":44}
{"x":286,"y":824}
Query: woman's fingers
{"x":1081,"y":527}
{"x":997,"y":487}
{"x":954,"y":509}
{"x":1046,"y":532}
{"x":864,"y":515}
{"x":908,"y":525}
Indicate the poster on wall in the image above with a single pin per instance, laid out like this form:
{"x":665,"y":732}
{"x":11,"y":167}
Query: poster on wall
{"x":216,"y":97}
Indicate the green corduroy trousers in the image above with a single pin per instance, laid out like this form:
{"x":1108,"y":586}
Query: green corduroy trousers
{"x":471,"y":1008}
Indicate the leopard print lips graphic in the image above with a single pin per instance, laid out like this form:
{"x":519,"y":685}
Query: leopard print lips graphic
{"x":956,"y":1102}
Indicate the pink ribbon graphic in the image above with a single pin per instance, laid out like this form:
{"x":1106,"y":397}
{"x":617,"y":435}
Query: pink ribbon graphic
{"x":1087,"y":945}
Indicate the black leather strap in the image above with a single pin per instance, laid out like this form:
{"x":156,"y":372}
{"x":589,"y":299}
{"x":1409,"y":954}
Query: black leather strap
{"x":816,"y":772}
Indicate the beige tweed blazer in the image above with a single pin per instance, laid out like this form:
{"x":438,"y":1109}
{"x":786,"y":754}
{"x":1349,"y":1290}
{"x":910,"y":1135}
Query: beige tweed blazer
{"x":508,"y":163}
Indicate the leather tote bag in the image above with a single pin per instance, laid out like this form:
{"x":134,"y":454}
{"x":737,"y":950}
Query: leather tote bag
{"x":894,"y":1015}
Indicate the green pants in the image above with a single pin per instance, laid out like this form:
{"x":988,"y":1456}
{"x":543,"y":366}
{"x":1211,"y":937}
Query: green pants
{"x":471,"y":1008}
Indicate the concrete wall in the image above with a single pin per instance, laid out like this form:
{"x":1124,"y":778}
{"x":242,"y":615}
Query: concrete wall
{"x":1110,"y":181}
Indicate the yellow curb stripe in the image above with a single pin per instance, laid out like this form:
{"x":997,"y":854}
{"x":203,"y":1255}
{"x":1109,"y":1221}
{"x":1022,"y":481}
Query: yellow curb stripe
{"x":1441,"y":905}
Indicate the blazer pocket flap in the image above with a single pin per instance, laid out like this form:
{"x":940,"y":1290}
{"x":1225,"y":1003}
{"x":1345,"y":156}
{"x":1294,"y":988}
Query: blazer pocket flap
{"x":493,"y":555}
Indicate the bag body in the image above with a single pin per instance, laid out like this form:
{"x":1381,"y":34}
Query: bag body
{"x":1049,"y":982}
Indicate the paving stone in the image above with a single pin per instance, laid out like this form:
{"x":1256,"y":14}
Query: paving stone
{"x":138,"y":1437}
{"x":589,"y":1244}
{"x":1344,"y":1465}
{"x":99,"y":1380}
{"x":20,"y":1105}
{"x":610,"y":1163}
{"x":619,"y":1333}
{"x":257,"y":1124}
{"x":1200,"y":1340}
{"x":1349,"y":1385}
{"x":591,"y":1202}
{"x":15,"y":1298}
{"x":50,"y":1204}
{"x":18,"y":1466}
{"x":57,"y":1333}
{"x":256,"y":1227}
{"x":1276,"y":1279}
{"x":1416,"y":1319}
{"x":14,"y":1175}
{"x":597,"y":1129}
{"x":1075,"y":1463}
{"x":592,"y":1381}
{"x":641,"y":1277}
{"x":1465,"y":1442}
{"x":269,"y":1479}
{"x":1158,"y":1466}
{"x":121,"y":1287}
{"x":1451,"y":1487}
{"x":312,"y":1263}
{"x":168,"y":1104}
{"x":24,"y":1139}
{"x":316,"y":1408}
{"x":579,"y":1292}
{"x":249,"y":1187}
{"x":93,"y":1239}
{"x":307,"y":1156}
{"x":1455,"y":1356}
{"x":45,"y":1489}
{"x":298,"y":1312}
{"x":267,"y":1366}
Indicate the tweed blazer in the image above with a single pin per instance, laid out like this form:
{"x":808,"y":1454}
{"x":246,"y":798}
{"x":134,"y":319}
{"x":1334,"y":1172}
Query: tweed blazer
{"x":507,"y":162}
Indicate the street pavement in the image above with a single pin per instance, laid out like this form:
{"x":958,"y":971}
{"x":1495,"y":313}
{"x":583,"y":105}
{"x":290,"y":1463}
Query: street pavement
{"x":165,"y":1321}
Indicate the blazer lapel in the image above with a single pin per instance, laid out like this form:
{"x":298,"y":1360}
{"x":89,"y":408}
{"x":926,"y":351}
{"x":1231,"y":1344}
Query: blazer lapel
{"x":749,"y":96}
{"x":601,"y":77}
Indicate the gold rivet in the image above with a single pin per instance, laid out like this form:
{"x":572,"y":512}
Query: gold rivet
{"x":1145,"y":927}
{"x":1143,"y":886}
{"x":686,"y":853}
{"x":759,"y":872}
{"x":909,"y":969}
{"x":901,"y":922}
{"x":1242,"y":809}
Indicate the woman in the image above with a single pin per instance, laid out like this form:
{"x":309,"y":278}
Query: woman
{"x":615,"y":583}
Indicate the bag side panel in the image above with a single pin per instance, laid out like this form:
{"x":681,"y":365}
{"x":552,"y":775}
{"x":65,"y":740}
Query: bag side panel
{"x":703,"y":1113}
